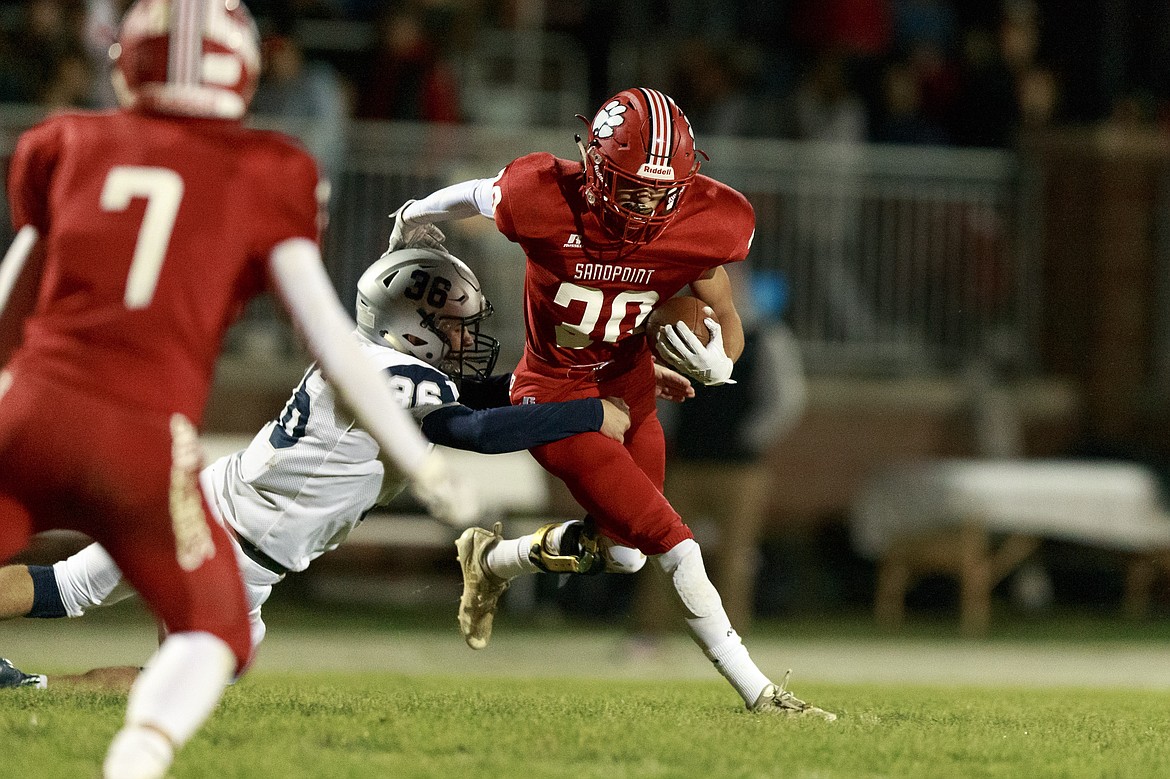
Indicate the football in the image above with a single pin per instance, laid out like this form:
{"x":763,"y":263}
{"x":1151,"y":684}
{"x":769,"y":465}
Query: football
{"x":683,"y":308}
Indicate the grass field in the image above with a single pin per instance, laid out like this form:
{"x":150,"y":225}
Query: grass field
{"x":388,"y":725}
{"x":357,"y":694}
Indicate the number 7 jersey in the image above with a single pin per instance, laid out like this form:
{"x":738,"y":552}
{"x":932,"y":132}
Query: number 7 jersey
{"x":157,"y":230}
{"x":585,"y":299}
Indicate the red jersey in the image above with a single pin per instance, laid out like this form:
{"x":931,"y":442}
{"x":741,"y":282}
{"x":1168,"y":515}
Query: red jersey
{"x":586,"y":303}
{"x":156,"y":230}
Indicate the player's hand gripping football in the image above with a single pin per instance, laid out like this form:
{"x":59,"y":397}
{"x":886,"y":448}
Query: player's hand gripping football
{"x":708,"y":364}
{"x":406,"y":235}
{"x":448,"y":498}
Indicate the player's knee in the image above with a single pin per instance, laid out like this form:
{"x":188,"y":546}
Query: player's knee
{"x":240,"y":642}
{"x":237,"y":632}
{"x":623,"y":559}
{"x":683,"y":565}
{"x":653,"y":538}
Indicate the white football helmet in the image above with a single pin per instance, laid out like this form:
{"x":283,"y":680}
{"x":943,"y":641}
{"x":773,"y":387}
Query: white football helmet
{"x":187,"y":57}
{"x":428,"y":303}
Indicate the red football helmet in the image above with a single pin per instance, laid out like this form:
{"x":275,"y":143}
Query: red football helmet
{"x":639,"y":140}
{"x":188,"y":57}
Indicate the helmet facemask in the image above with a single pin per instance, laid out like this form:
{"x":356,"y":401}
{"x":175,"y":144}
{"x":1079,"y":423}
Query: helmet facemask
{"x":469,"y":353}
{"x":607,"y":190}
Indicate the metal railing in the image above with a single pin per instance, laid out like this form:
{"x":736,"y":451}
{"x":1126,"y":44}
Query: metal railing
{"x":895,"y":260}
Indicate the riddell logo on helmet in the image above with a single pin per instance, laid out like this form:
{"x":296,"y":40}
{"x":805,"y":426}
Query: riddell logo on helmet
{"x":663,"y":172}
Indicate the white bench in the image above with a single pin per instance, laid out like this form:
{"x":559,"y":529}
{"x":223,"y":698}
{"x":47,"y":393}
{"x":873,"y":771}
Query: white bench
{"x":980,"y":519}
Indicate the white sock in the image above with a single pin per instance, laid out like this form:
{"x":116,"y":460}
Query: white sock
{"x":707,"y":620}
{"x":180,"y":685}
{"x":138,"y":753}
{"x":731,"y":659}
{"x":509,"y":558}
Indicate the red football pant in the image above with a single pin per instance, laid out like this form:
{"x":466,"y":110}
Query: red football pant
{"x":619,"y":485}
{"x":69,"y":460}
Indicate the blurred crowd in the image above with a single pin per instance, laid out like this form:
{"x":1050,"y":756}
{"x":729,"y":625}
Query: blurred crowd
{"x":956,"y":72}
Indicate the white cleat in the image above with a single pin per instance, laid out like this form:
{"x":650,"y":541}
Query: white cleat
{"x":777,"y":700}
{"x":481,"y":589}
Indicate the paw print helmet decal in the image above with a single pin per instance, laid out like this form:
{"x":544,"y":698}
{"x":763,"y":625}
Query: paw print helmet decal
{"x":641,"y":141}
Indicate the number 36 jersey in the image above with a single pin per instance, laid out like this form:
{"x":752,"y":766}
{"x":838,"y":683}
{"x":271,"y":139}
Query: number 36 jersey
{"x":307,"y":478}
{"x":137,"y":291}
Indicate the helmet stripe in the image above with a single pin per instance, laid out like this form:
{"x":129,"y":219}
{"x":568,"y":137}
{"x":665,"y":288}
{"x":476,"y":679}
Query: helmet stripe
{"x":650,"y":118}
{"x":654,"y":120}
{"x":661,"y":127}
{"x":186,"y":44}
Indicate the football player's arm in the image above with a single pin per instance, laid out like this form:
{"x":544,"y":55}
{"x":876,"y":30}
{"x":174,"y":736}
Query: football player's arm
{"x":714,"y":289}
{"x":414,"y":221}
{"x":458,"y":201}
{"x":20,"y":275}
{"x":515,"y":428}
{"x":300,"y":280}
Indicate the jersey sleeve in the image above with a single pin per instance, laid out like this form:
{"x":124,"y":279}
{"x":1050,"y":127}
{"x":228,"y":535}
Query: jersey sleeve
{"x":30,"y":175}
{"x":520,"y":186}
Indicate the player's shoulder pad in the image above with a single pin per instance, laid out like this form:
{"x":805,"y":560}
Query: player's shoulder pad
{"x":728,"y":200}
{"x":288,"y":181}
{"x":32,"y":165}
{"x":730,"y":209}
{"x":409,"y":367}
{"x":536,"y":163}
{"x":416,"y":371}
{"x":531,"y":173}
{"x":532,"y":195}
{"x":283,"y":150}
{"x":70,"y":116}
{"x":49,"y":128}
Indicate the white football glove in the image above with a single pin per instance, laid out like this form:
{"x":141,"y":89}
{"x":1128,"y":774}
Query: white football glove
{"x":708,"y":364}
{"x":406,"y":235}
{"x":448,"y":498}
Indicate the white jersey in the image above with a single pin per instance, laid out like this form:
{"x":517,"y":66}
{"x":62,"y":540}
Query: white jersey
{"x":308,"y":478}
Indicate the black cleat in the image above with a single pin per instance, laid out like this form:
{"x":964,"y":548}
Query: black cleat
{"x":11,"y":676}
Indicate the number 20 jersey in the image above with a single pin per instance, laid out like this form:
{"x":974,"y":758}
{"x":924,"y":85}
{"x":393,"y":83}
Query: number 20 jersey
{"x":157,"y":230}
{"x":585,"y":302}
